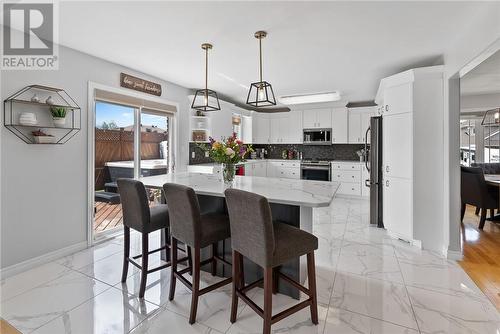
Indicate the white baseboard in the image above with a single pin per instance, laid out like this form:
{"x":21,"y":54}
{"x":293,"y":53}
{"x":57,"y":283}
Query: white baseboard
{"x":454,"y":255}
{"x":42,"y":259}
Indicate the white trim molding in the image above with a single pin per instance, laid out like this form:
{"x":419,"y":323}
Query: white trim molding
{"x":42,"y":259}
{"x":454,"y":255}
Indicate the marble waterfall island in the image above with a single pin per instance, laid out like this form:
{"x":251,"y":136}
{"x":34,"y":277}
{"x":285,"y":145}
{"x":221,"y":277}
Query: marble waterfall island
{"x":292,"y":201}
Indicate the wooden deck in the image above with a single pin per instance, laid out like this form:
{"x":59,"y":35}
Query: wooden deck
{"x":480,"y":255}
{"x":107,"y":216}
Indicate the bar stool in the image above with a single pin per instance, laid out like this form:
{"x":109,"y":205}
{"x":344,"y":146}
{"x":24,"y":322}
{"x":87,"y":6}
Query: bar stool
{"x":197,"y":231}
{"x":138,"y":215}
{"x":269,"y":245}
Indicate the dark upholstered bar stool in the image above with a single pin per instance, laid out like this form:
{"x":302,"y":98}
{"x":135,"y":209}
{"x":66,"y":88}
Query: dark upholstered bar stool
{"x":139,"y":216}
{"x":269,"y":245}
{"x":197,"y":231}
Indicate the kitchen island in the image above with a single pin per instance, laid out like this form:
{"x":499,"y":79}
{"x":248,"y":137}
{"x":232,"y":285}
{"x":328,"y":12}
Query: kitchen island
{"x":292,"y":202}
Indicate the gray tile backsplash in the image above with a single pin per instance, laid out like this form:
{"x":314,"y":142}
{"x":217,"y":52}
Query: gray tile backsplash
{"x":321,"y":152}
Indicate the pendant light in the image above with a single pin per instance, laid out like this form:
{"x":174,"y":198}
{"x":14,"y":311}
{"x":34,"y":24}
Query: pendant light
{"x":261,"y":93}
{"x":206,"y":99}
{"x":491,"y":117}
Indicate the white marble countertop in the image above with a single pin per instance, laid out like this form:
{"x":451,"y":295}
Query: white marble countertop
{"x":284,"y":191}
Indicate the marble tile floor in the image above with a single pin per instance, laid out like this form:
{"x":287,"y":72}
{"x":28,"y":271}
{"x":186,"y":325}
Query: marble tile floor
{"x":367,"y":283}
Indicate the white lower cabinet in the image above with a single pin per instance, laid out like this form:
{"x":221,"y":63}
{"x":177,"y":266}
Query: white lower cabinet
{"x":256,"y":168}
{"x":350,"y":175}
{"x":397,"y":207}
{"x":283,"y":169}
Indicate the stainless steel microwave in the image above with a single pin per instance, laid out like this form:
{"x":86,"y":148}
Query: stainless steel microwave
{"x":317,"y":137}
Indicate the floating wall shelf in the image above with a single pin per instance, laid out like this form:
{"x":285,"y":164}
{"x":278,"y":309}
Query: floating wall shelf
{"x":33,"y":100}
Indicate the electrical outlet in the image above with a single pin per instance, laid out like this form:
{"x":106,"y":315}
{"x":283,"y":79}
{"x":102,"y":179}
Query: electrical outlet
{"x":206,"y":154}
{"x":193,"y":155}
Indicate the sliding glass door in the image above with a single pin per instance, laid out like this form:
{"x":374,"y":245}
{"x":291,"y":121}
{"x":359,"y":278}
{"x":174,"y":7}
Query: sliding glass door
{"x":130,"y":142}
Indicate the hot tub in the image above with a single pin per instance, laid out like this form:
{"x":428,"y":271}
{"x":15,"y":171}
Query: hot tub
{"x":125,"y":169}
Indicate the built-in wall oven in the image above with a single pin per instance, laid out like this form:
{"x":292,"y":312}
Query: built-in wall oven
{"x":317,"y":137}
{"x":315,"y":170}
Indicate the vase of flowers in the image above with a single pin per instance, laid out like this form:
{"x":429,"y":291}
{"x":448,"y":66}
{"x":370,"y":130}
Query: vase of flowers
{"x":228,"y":152}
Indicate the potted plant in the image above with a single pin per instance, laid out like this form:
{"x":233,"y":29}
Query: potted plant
{"x":228,"y":152}
{"x":58,"y":116}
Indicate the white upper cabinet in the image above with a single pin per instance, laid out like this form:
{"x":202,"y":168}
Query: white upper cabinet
{"x":398,"y":99}
{"x":260,"y":129}
{"x":285,"y":128}
{"x":309,"y":119}
{"x":339,"y":126}
{"x":275,"y":129}
{"x":359,"y":121}
{"x":354,"y":127}
{"x":324,"y":118}
{"x":295,"y":127}
{"x":317,"y":118}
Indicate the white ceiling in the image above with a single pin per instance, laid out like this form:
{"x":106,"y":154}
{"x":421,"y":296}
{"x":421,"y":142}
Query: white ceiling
{"x":311,"y":47}
{"x":484,"y":79}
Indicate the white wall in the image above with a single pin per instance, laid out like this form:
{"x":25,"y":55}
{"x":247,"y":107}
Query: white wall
{"x":44,"y":187}
{"x":481,"y":31}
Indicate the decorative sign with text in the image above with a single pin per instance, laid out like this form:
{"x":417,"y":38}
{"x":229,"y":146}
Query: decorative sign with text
{"x":141,"y":85}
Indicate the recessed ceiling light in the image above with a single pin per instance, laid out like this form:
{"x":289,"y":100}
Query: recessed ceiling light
{"x":310,"y":98}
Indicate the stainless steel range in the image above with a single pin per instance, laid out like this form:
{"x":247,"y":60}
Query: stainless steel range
{"x":318,"y":170}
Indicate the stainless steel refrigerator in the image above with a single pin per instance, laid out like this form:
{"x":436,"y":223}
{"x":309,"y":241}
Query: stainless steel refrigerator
{"x":374,"y":165}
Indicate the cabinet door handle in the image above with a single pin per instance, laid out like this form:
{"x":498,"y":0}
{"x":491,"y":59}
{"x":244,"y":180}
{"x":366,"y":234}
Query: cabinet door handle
{"x":387,"y":183}
{"x":386,"y":107}
{"x":387,"y":168}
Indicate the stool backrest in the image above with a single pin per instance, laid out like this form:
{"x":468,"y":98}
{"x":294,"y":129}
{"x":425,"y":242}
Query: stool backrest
{"x":184,"y":213}
{"x":252,"y":233}
{"x":135,"y":203}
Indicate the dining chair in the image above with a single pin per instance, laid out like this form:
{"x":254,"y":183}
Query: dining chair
{"x":268,"y":244}
{"x":196,"y":231}
{"x":475,"y":191}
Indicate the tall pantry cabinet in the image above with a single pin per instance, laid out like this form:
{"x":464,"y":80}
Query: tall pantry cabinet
{"x":412,"y":109}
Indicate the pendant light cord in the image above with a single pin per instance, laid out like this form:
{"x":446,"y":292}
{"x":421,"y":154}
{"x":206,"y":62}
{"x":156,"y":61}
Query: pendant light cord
{"x":260,"y":56}
{"x":206,"y":70}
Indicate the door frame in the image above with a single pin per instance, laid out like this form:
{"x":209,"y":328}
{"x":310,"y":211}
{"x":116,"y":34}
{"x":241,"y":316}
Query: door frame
{"x":173,"y":138}
{"x":452,"y":162}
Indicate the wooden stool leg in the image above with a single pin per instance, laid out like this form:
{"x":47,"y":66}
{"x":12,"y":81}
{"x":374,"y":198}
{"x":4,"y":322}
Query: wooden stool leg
{"x":311,"y":275}
{"x":268,"y":299}
{"x":235,"y":285}
{"x":483,"y":218}
{"x":144,"y":267}
{"x":275,"y":279}
{"x":126,"y":252}
{"x":477,"y":210}
{"x":196,"y":285}
{"x":173,"y":269}
{"x":190,"y":260}
{"x":214,"y":263}
{"x":492,"y":213}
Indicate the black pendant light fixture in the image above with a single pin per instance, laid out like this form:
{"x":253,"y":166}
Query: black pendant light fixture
{"x":206,"y":99}
{"x":491,"y":117}
{"x":261,"y":93}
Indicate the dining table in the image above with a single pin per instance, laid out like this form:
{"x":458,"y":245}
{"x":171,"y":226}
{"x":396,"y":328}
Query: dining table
{"x":493,"y":180}
{"x":291,"y":201}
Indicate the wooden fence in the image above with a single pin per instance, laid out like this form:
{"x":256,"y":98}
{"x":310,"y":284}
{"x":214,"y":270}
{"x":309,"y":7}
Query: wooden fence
{"x":118,"y":145}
